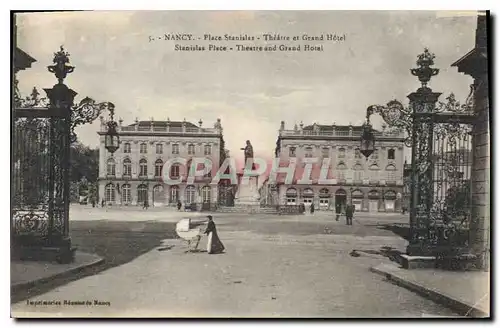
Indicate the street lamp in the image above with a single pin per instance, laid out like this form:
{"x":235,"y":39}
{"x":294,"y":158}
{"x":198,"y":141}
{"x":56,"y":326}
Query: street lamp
{"x":394,"y":114}
{"x":111,"y":138}
{"x":367,"y":146}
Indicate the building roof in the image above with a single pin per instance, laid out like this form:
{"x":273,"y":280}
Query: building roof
{"x":22,"y":60}
{"x":164,"y":123}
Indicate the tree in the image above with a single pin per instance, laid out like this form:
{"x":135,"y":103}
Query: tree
{"x":84,"y":163}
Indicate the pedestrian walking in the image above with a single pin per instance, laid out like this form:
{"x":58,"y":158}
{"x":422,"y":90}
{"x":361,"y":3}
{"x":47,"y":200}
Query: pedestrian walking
{"x":146,"y":205}
{"x":179,"y":205}
{"x":312,"y":209}
{"x":349,"y":213}
{"x":214,"y":245}
{"x":338,"y":211}
{"x":103,"y":202}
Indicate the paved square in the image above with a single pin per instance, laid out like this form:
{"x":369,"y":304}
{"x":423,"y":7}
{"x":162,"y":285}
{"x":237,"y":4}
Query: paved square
{"x":274,"y":266}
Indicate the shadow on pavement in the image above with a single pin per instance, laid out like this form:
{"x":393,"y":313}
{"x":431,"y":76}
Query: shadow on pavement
{"x":399,"y":229}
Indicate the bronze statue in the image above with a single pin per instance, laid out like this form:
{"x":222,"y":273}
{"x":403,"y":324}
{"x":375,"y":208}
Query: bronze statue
{"x":248,"y":150}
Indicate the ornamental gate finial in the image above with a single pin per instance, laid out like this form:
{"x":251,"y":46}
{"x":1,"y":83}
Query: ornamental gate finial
{"x":424,"y":72}
{"x":61,"y":67}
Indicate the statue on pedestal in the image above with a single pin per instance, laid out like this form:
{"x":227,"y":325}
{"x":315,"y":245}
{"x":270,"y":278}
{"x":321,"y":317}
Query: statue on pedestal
{"x":248,"y":151}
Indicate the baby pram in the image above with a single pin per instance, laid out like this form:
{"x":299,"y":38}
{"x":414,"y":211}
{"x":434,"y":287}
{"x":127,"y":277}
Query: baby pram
{"x":191,"y":231}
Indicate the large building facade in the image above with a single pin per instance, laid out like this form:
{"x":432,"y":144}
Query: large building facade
{"x":371,"y":185}
{"x":134,"y":175}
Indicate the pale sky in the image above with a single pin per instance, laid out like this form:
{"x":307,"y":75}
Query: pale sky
{"x":250,"y":92}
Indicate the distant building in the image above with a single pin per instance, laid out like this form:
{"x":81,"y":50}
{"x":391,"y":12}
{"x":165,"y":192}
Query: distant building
{"x":373,"y":185}
{"x":133,"y":175}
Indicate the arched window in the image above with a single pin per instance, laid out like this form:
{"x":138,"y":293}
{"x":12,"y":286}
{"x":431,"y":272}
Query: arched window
{"x":127,"y":167}
{"x":291,"y":196}
{"x":126,"y":194}
{"x":111,"y":167}
{"x":357,"y":194}
{"x":142,"y":193}
{"x":109,"y":195}
{"x":158,"y":194}
{"x":206,"y":194}
{"x":341,"y":152}
{"x":158,"y":168}
{"x":143,"y":167}
{"x":324,"y":192}
{"x":143,"y":148}
{"x":174,"y":194}
{"x":357,"y":153}
{"x":175,"y":171}
{"x":190,"y":195}
{"x":391,"y":154}
{"x":390,"y":195}
{"x":127,"y":148}
{"x":191,"y":149}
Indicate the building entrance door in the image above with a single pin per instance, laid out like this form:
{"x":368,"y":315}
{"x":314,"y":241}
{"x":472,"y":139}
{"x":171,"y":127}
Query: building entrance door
{"x":342,"y":200}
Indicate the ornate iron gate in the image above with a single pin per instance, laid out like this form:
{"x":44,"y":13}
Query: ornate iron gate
{"x":439,"y":135}
{"x":40,"y":157}
{"x":43,"y":130}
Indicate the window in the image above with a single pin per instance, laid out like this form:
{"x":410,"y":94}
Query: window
{"x":341,"y":152}
{"x":159,"y":148}
{"x":109,"y":193}
{"x":374,"y":172}
{"x":190,"y":194}
{"x":143,"y":148}
{"x":174,"y":194}
{"x":142,"y":193}
{"x":357,"y":153}
{"x":391,"y":172}
{"x":191,"y":149}
{"x":143,"y":168}
{"x":208,"y":150}
{"x":175,"y":149}
{"x":111,"y":167}
{"x":358,"y":172}
{"x":127,"y":167}
{"x":206,"y":194}
{"x":174,"y":171}
{"x":325,"y":152}
{"x":127,"y":148}
{"x":126,"y":194}
{"x":291,"y":196}
{"x":291,"y":152}
{"x":391,"y":154}
{"x":341,"y":170}
{"x":309,"y":152}
{"x":158,"y":168}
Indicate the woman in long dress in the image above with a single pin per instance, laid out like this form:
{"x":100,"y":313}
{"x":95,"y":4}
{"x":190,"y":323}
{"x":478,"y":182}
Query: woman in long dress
{"x":214,"y":245}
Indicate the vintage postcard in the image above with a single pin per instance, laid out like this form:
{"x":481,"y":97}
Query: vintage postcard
{"x":250,"y":164}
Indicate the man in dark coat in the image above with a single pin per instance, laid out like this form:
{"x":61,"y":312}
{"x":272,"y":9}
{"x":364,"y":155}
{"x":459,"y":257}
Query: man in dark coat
{"x":338,"y":211}
{"x":349,"y":213}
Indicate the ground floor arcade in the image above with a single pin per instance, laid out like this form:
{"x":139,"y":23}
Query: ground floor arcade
{"x":364,"y":198}
{"x":156,"y":193}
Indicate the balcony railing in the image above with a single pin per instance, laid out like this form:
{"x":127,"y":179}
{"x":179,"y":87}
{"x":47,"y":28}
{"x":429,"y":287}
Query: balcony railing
{"x":165,"y":129}
{"x":341,"y":133}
